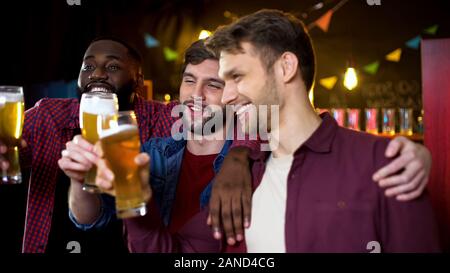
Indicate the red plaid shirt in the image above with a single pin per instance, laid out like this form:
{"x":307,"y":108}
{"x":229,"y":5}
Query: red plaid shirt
{"x":48,"y":126}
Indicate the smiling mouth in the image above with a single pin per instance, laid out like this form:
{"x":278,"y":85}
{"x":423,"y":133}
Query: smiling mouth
{"x":241,"y":109}
{"x":195,"y":107}
{"x":103,"y":88}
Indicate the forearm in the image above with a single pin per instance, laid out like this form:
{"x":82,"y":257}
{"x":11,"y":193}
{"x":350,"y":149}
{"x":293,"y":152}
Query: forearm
{"x":85,"y":206}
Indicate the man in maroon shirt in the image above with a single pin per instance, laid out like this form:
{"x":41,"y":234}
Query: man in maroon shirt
{"x":314,"y":191}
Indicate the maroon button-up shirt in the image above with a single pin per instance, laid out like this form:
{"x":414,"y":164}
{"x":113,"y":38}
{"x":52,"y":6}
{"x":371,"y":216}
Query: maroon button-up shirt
{"x":332,"y":204}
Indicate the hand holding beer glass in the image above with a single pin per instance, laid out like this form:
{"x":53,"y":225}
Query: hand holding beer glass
{"x":120,"y":146}
{"x":11,"y":125}
{"x":97,"y":110}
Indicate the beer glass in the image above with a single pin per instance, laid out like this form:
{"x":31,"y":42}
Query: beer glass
{"x":388,"y":121}
{"x":353,"y":119}
{"x":11,"y":124}
{"x":406,"y":121}
{"x":371,"y":120}
{"x":97,"y":110}
{"x":120,"y":145}
{"x":339,"y":116}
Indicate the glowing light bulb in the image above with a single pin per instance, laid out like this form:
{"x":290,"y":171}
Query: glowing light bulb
{"x":350,"y":78}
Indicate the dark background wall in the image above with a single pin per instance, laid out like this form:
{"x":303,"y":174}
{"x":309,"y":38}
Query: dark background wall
{"x":43,"y":41}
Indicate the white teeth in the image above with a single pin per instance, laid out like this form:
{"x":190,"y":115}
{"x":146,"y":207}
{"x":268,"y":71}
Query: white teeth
{"x":99,"y":89}
{"x":243,"y":109}
{"x":196,"y":108}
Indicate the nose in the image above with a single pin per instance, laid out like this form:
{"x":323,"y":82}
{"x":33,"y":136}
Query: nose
{"x":229,"y":94}
{"x":198,"y":92}
{"x":98,"y":74}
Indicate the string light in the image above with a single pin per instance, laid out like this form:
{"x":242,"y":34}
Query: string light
{"x":350,"y":78}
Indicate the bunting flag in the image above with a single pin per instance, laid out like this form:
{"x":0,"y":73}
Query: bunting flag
{"x":150,"y":41}
{"x":324,"y":22}
{"x":431,"y":30}
{"x":329,"y":82}
{"x":395,"y":55}
{"x":169,"y":54}
{"x":372,"y":68}
{"x":414,"y":42}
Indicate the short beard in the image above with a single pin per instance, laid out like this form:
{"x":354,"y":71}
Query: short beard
{"x":199,"y":128}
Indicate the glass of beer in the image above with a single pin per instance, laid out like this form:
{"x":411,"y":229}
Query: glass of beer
{"x":97,"y":111}
{"x":406,"y":121}
{"x":120,"y":145}
{"x":11,"y":124}
{"x":388,"y":121}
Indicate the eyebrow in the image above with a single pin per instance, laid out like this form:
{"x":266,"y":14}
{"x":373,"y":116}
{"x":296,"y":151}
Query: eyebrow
{"x":187,"y":74}
{"x":114,"y":57}
{"x":229,"y":73}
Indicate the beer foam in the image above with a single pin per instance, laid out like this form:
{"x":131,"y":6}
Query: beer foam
{"x":117,"y":129}
{"x":10,"y":97}
{"x":98,"y":106}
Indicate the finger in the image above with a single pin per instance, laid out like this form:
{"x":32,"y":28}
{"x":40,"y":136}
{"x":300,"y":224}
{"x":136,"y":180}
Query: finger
{"x":86,"y":154}
{"x":394,"y":166}
{"x":227,"y":221}
{"x":3,"y":149}
{"x":23,"y":143}
{"x":103,"y":171}
{"x":247,"y":206}
{"x":415,"y":193}
{"x":83,"y":143}
{"x":208,"y":220}
{"x":67,"y":165}
{"x":214,"y":212}
{"x":104,"y":184}
{"x":395,"y":145}
{"x":236,"y":206}
{"x":77,"y":176}
{"x":405,"y":187}
{"x":404,"y":177}
{"x":104,"y":178}
{"x":76,"y":157}
{"x":98,"y":150}
{"x":142,"y":159}
{"x":143,"y":162}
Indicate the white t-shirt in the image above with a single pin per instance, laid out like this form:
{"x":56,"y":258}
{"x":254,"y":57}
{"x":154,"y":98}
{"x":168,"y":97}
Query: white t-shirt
{"x":266,"y":232}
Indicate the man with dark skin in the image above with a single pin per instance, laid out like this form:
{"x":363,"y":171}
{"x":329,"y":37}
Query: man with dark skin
{"x":109,"y":65}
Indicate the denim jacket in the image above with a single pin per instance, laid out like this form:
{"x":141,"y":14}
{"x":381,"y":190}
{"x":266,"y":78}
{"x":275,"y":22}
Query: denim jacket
{"x":166,"y":157}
